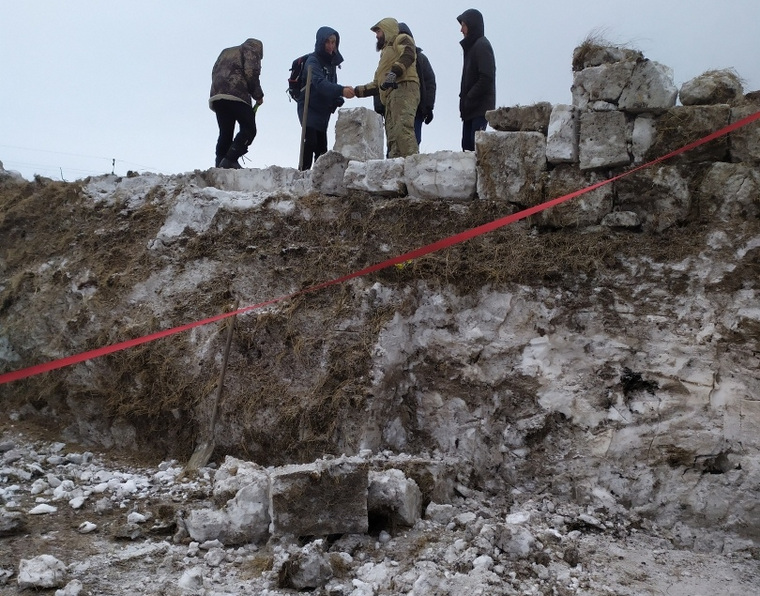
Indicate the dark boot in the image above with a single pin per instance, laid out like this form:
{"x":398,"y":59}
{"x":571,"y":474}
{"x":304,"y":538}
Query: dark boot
{"x":229,"y":164}
{"x":238,"y":148}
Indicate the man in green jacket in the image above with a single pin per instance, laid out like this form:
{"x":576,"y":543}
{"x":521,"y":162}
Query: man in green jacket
{"x":397,"y":84}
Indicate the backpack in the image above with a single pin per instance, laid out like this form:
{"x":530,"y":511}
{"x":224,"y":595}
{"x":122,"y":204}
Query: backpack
{"x":295,"y":86}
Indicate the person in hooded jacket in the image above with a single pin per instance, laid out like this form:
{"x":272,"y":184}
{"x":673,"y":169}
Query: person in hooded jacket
{"x":426,"y":76}
{"x":397,"y":84}
{"x":234,"y":81}
{"x":477,"y":93}
{"x":325,"y":95}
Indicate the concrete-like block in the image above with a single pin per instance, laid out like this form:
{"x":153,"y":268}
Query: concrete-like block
{"x":533,"y":118}
{"x":383,"y":177}
{"x":584,"y":210}
{"x":441,"y":175}
{"x":685,"y":124}
{"x":730,"y":190}
{"x":712,"y":87}
{"x":359,"y":134}
{"x":745,"y":141}
{"x":325,"y":497}
{"x":601,"y":84}
{"x":660,"y":196}
{"x":651,"y":89}
{"x":511,"y":166}
{"x":562,"y":137}
{"x":603,"y":140}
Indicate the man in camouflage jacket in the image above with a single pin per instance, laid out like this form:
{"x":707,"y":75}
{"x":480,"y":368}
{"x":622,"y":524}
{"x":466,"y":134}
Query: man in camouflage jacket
{"x":398,"y":85}
{"x":234,"y":81}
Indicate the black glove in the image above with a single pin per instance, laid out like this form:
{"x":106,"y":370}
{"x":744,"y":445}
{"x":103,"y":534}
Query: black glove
{"x":390,"y":81}
{"x":429,"y":117}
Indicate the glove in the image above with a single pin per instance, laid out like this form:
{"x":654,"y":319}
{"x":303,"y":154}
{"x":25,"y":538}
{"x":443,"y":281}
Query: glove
{"x":429,"y":117}
{"x":390,"y":81}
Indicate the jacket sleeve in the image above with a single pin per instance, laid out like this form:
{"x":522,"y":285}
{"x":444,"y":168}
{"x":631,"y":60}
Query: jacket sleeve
{"x":368,"y":90}
{"x":407,"y":57}
{"x":320,"y":83}
{"x":428,"y":80}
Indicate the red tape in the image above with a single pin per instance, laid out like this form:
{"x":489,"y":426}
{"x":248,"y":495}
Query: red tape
{"x":414,"y":254}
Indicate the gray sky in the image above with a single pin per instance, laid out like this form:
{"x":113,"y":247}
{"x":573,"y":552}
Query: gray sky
{"x":85,"y":82}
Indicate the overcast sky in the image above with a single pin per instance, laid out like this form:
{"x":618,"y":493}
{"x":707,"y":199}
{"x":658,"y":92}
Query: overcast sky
{"x":85,"y":82}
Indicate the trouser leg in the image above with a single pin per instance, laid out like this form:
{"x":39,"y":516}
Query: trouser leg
{"x":469,"y":128}
{"x":400,"y":110}
{"x":226,"y":122}
{"x":314,"y":145}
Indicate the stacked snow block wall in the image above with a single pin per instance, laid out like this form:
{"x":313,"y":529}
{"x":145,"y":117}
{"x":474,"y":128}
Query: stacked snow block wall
{"x":623,"y":114}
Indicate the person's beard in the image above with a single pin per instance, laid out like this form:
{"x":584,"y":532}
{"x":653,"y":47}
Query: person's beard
{"x":380,"y":43}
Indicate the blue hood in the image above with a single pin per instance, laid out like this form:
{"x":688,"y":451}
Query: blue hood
{"x":319,"y":46}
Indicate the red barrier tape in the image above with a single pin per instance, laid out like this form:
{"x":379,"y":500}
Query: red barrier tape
{"x":414,"y":254}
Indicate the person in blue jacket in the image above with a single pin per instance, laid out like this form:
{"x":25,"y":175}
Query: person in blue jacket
{"x":325,"y":95}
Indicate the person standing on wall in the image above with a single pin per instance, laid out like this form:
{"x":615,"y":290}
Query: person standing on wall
{"x":426,"y":76}
{"x":234,"y":81}
{"x":397,"y":84}
{"x":325,"y":94}
{"x":477,"y":93}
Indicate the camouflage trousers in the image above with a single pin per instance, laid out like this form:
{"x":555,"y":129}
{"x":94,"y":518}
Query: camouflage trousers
{"x":400,"y":109}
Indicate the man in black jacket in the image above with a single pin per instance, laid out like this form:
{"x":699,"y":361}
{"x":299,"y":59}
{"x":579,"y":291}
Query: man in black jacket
{"x":477,"y":94}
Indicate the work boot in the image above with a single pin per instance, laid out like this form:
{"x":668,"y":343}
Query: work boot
{"x":229,"y":164}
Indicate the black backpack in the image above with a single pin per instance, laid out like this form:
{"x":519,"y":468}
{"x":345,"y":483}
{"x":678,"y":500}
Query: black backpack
{"x":295,"y":86}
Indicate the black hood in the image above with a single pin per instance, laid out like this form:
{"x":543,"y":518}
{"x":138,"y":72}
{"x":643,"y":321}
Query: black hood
{"x":475,"y":26}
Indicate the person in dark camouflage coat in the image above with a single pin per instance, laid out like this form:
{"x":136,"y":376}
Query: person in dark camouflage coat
{"x":234,"y":81}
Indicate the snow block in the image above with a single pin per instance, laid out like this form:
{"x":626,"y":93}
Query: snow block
{"x":392,"y":495}
{"x":562,"y":136}
{"x":359,"y":134}
{"x":585,"y":210}
{"x":685,"y":124}
{"x":444,"y":174}
{"x":383,"y":177}
{"x":327,"y":174}
{"x":651,"y":89}
{"x":730,"y":191}
{"x":603,"y":140}
{"x":745,"y":142}
{"x":660,"y":196}
{"x":511,"y":166}
{"x":533,"y":118}
{"x":326,"y":497}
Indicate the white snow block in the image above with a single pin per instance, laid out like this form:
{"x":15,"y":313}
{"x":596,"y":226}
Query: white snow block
{"x":444,"y":174}
{"x":245,"y":517}
{"x":274,"y":179}
{"x":43,"y":572}
{"x":377,"y":176}
{"x":359,"y":134}
{"x":562,"y":137}
{"x":643,"y":137}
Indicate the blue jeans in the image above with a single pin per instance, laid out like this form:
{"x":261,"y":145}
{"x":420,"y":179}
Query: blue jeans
{"x":469,"y":127}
